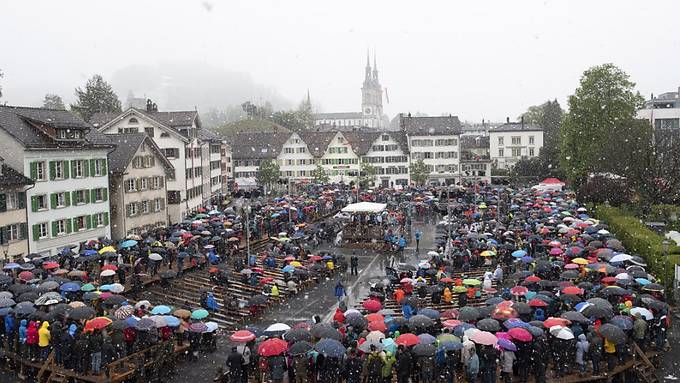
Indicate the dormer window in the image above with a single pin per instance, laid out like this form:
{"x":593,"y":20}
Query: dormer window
{"x":69,"y":134}
{"x":133,"y":121}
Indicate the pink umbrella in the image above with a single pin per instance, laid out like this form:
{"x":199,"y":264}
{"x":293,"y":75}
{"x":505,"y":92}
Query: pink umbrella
{"x":555,"y":251}
{"x":520,"y":334}
{"x":518,"y":290}
{"x":503,"y":335}
{"x":242,"y":336}
{"x":571,"y":266}
{"x":484,"y":337}
{"x":377,"y":325}
{"x":451,"y":323}
{"x":372,"y":305}
{"x":407,"y":340}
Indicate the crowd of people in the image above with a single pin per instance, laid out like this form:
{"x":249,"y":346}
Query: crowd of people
{"x":523,"y":284}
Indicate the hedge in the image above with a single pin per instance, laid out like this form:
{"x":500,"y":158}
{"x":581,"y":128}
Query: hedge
{"x":639,"y":239}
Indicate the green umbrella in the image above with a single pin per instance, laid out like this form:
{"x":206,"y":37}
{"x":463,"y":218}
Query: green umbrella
{"x":88,"y":287}
{"x":448,"y":338}
{"x":472,"y":282}
{"x":199,"y":314}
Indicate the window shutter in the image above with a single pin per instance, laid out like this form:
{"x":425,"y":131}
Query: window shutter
{"x":3,"y":202}
{"x":86,"y":169}
{"x":73,"y":167}
{"x":92,"y":166}
{"x":69,"y":225}
{"x":162,"y":204}
{"x":74,"y":197}
{"x":93,"y":195}
{"x":88,"y":221}
{"x":87,"y":196}
{"x":36,"y":232}
{"x":22,"y":200}
{"x":152,"y":161}
{"x":67,"y":199}
{"x":105,"y":194}
{"x":55,"y":228}
{"x":53,"y":199}
{"x":34,"y":171}
{"x":53,"y":171}
{"x":106,"y":219}
{"x":23,"y":229}
{"x":103,"y":166}
{"x":34,"y":203}
{"x":66,"y":170}
{"x":128,"y":212}
{"x":160,"y":182}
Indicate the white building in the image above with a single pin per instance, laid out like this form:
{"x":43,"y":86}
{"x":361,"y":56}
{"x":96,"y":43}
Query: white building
{"x":663,"y":112}
{"x":67,"y":160}
{"x":248,"y":149}
{"x":475,"y":162}
{"x":176,"y":133}
{"x":339,"y":159}
{"x":513,"y":141}
{"x":295,"y":159}
{"x":435,"y":140}
{"x":387,"y":152}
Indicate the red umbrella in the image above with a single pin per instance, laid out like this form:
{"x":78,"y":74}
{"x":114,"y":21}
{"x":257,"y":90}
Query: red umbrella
{"x":110,"y":267}
{"x":446,"y":280}
{"x":450,"y":313}
{"x":289,"y":258}
{"x":50,"y":265}
{"x":608,"y":280}
{"x":556,"y":322}
{"x":315,"y":258}
{"x":504,"y":312}
{"x":26,"y":275}
{"x":407,"y":340}
{"x":377,"y":325}
{"x":375,"y":316}
{"x":372,"y":305}
{"x":532,"y":279}
{"x":242,"y":336}
{"x":97,"y":323}
{"x":266,"y":280}
{"x":537,"y":303}
{"x":272,"y":347}
{"x":518,"y":290}
{"x":572,"y":290}
{"x":520,"y":334}
{"x":451,"y":323}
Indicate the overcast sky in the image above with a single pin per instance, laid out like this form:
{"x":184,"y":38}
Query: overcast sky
{"x":475,"y":59}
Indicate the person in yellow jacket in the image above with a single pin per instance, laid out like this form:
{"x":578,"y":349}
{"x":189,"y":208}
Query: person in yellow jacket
{"x":275,"y":291}
{"x":448,"y":297}
{"x":44,"y":338}
{"x":610,"y":352}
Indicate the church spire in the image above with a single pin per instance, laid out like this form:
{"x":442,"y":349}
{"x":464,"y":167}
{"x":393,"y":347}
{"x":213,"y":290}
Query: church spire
{"x":368,"y":67}
{"x":375,"y":68}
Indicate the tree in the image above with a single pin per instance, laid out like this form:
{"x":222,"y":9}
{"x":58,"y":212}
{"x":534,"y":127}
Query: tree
{"x":319,"y":175}
{"x":549,"y":117}
{"x":53,"y":101}
{"x":268,"y":173}
{"x":98,"y":97}
{"x":419,"y":172}
{"x":367,"y":175}
{"x":595,"y":132}
{"x":1,"y":76}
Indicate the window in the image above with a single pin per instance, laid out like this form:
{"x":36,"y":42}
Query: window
{"x":41,"y":202}
{"x":98,"y":219}
{"x":99,"y":167}
{"x":391,"y":147}
{"x":531,"y":140}
{"x":531,"y":152}
{"x":446,"y":142}
{"x":290,"y":162}
{"x":341,"y":140}
{"x":61,"y":199}
{"x":500,"y":141}
{"x":80,"y":197}
{"x":157,"y":182}
{"x":385,"y":137}
{"x":132,"y":209}
{"x":145,"y":207}
{"x":59,"y":172}
{"x":516,"y":140}
{"x":289,"y":150}
{"x":60,"y":227}
{"x":149,"y":161}
{"x":501,"y":152}
{"x":40,"y":171}
{"x":42,"y":230}
{"x":516,"y":152}
{"x":98,"y":195}
{"x":378,"y":148}
{"x":157,"y":205}
{"x":12,"y":201}
{"x":421,"y":142}
{"x":302,"y":150}
{"x":12,"y":232}
{"x":137,"y":162}
{"x":144,"y":183}
{"x":133,"y":121}
{"x":80,"y":223}
{"x":165,"y":134}
{"x":667,"y":123}
{"x":69,"y":134}
{"x":149,"y":131}
{"x":128,"y":130}
{"x":79,"y":168}
{"x":171,"y":152}
{"x":131,"y":185}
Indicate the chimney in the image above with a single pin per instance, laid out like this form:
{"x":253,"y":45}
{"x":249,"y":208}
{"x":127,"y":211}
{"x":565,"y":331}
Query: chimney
{"x":522,"y":121}
{"x":149,"y":105}
{"x":507,"y":120}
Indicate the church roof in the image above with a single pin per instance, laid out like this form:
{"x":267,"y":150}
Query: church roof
{"x":338,"y":116}
{"x":430,"y":126}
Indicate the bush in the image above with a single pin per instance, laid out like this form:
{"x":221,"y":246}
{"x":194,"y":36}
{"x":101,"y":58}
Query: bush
{"x":600,"y":189}
{"x":639,"y":239}
{"x":670,"y":214}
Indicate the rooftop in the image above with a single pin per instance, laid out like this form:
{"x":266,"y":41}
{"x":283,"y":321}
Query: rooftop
{"x":11,"y":177}
{"x":338,"y":116}
{"x":127,"y":145}
{"x":257,"y":145}
{"x":430,"y":126}
{"x":515,"y":127}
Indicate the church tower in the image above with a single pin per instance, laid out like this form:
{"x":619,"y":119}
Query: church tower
{"x":371,"y":95}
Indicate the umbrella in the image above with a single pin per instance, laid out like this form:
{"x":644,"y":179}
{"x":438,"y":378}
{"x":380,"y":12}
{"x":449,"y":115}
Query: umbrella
{"x":407,"y":340}
{"x":372,"y":305}
{"x":24,"y":309}
{"x":623,"y":322}
{"x":484,"y":338}
{"x":378,"y":326}
{"x":144,"y":324}
{"x":450,"y":346}
{"x":375,"y":336}
{"x":366,"y":346}
{"x":535,"y":331}
{"x":355,"y":321}
{"x":519,"y":290}
{"x":88,"y":287}
{"x":7,"y":302}
{"x":574,"y":316}
{"x":520,"y":334}
{"x":424,"y":350}
{"x":128,"y":243}
{"x":643,"y":312}
{"x":117,"y":288}
{"x":70,"y":287}
{"x":420,"y":321}
{"x":49,"y":298}
{"x":515,"y":322}
{"x":123,"y":312}
{"x":488,"y":324}
{"x":161,"y":310}
{"x":199,"y":314}
{"x":430,"y":313}
{"x":330,"y":348}
{"x":507,"y":345}
{"x":155,"y":257}
{"x":504,"y":312}
{"x":300,"y":348}
{"x":537,"y":303}
{"x":522,"y":308}
{"x":26,"y":275}
{"x":97,"y":323}
{"x":468,"y":313}
{"x":563,"y":333}
{"x":297,"y":335}
{"x":181,"y":313}
{"x":82,"y":313}
{"x":550,"y":322}
{"x":277,"y":328}
{"x":426,"y":339}
{"x":321,"y":331}
{"x":113,"y":300}
{"x":198,"y":327}
{"x":119,"y":325}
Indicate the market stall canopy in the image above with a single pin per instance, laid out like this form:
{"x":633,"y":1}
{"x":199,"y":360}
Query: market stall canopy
{"x":364,"y":207}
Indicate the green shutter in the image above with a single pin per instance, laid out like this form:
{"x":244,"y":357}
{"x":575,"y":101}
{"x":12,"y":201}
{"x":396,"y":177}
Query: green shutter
{"x":91,"y":166}
{"x":67,"y":199}
{"x":87,"y":196}
{"x":23,"y":230}
{"x":73,"y":167}
{"x":53,"y":199}
{"x":34,"y":203}
{"x":53,"y":171}
{"x":88,"y":221}
{"x":34,"y":171}
{"x":103,"y":166}
{"x":106,"y":219}
{"x":105,"y":194}
{"x":69,"y":226}
{"x":36,"y":232}
{"x":66,"y":169}
{"x":55,"y":228}
{"x":22,"y":200}
{"x":93,"y":195}
{"x":74,"y":197}
{"x":86,"y":169}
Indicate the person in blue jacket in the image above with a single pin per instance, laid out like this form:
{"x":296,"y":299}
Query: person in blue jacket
{"x":211,"y":302}
{"x":407,"y":310}
{"x":339,"y":291}
{"x":10,"y":328}
{"x":22,"y":337}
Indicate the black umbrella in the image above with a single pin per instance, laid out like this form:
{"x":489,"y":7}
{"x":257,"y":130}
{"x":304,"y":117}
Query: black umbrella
{"x":119,"y":325}
{"x":597,"y":312}
{"x":570,"y":298}
{"x":600,"y":302}
{"x":298,"y":335}
{"x":420,"y":321}
{"x":488,"y":324}
{"x":321,"y":330}
{"x":574,"y":316}
{"x":90,"y":296}
{"x":522,"y":308}
{"x":653,"y":287}
{"x":7,"y":302}
{"x":114,"y":300}
{"x":613,"y":291}
{"x":19,"y":289}
{"x":145,"y":324}
{"x":569,"y":274}
{"x":24,"y":309}
{"x":356,"y":321}
{"x":467,"y":314}
{"x":493,"y":301}
{"x":613,"y":333}
{"x":424,"y":350}
{"x":398,"y":321}
{"x":300,"y":347}
{"x":82,"y":313}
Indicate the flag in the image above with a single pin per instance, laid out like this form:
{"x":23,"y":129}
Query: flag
{"x":387,"y":96}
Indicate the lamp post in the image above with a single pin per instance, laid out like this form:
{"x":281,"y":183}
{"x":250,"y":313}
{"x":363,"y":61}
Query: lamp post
{"x":245,"y":209}
{"x":664,"y":245}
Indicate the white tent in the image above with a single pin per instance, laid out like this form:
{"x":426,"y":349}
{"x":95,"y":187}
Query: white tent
{"x":364,"y":207}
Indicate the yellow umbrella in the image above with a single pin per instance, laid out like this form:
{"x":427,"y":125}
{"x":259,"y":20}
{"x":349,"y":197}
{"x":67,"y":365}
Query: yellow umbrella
{"x":107,"y":249}
{"x":580,"y":261}
{"x":487,"y":253}
{"x":295,"y":264}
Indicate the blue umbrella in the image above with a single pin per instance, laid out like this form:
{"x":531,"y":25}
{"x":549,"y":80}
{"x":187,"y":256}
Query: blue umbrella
{"x":128,"y":243}
{"x":12,"y":266}
{"x":527,"y":259}
{"x":506,"y":344}
{"x":519,"y":253}
{"x":105,"y":287}
{"x":161,"y":310}
{"x":89,"y":252}
{"x":426,"y":339}
{"x":460,"y":329}
{"x":623,"y":322}
{"x":288,"y":269}
{"x":515,"y":322}
{"x":171,"y":320}
{"x":450,"y":346}
{"x":430,"y":313}
{"x":389,"y":345}
{"x":330,"y":348}
{"x":5,"y":310}
{"x":199,"y":314}
{"x":70,"y":287}
{"x":640,"y":281}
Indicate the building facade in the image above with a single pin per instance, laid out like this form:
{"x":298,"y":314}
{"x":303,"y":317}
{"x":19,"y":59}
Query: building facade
{"x":137,"y":176}
{"x":436,"y":141}
{"x":513,"y":141}
{"x":67,"y":161}
{"x":177,"y":135}
{"x":387,"y":152}
{"x":663,"y":112}
{"x":13,"y":216}
{"x":475,"y":161}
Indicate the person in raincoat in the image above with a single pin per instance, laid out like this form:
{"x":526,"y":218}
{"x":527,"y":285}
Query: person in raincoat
{"x":640,"y":332}
{"x":211,"y":302}
{"x":353,"y":367}
{"x":582,"y":347}
{"x":487,"y":281}
{"x":339,"y":291}
{"x":23,"y":326}
{"x":407,"y":311}
{"x":388,"y":360}
{"x":56,"y":335}
{"x":277,"y":368}
{"x":32,"y":339}
{"x":472,"y":367}
{"x":275,"y":292}
{"x":448,"y":297}
{"x":235,"y":363}
{"x":507,"y":362}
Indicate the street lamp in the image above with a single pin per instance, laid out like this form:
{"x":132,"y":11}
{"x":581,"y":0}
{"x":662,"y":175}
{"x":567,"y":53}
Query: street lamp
{"x":664,"y":245}
{"x":245,"y":210}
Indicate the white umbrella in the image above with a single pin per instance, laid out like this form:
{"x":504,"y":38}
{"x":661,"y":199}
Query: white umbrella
{"x":352,"y":311}
{"x":432,"y":253}
{"x":621,"y":258}
{"x":602,"y":232}
{"x":117,"y":288}
{"x":375,"y":336}
{"x":642,"y":311}
{"x":278,"y":327}
{"x":155,"y":257}
{"x":622,"y":276}
{"x":211,"y":326}
{"x":108,"y":273}
{"x":565,"y":334}
{"x":144,"y":303}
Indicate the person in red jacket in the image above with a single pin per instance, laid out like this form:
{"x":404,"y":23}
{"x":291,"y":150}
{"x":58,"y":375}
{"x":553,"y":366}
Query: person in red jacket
{"x":32,"y":339}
